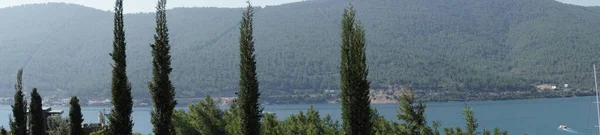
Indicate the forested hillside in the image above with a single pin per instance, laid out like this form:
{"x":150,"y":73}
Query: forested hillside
{"x":492,"y":45}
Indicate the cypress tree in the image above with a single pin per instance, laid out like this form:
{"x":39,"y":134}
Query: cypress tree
{"x":249,"y":108}
{"x":18,"y":126}
{"x":36,"y":120}
{"x":161,"y":89}
{"x":356,"y":113}
{"x":75,"y":117}
{"x":120,"y":122}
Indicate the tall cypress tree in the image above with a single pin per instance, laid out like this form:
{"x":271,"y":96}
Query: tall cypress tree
{"x":75,"y":117}
{"x":36,"y":120}
{"x":161,"y":89}
{"x":249,"y":108}
{"x":18,"y":126}
{"x":356,"y":111}
{"x":120,"y":122}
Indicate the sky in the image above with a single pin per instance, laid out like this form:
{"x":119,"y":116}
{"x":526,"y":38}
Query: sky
{"x":134,"y":6}
{"x":582,"y":2}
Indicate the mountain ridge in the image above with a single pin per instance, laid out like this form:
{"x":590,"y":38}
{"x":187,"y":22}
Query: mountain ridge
{"x":430,"y":45}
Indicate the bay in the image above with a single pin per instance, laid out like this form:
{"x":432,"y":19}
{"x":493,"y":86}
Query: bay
{"x":535,"y":116}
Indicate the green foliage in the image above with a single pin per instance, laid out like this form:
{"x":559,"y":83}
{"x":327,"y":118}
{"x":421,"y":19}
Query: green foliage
{"x":161,"y":89}
{"x":436,"y":125}
{"x":310,"y":122}
{"x":183,"y":124}
{"x":412,"y":115}
{"x":120,"y":121}
{"x":471,"y":121}
{"x":331,"y":127}
{"x":204,"y":118}
{"x":207,"y":117}
{"x":36,"y":120}
{"x":18,"y":126}
{"x":232,"y":120}
{"x":471,"y":126}
{"x":249,"y":107}
{"x":75,"y":117}
{"x":270,"y":125}
{"x":101,"y":132}
{"x":356,"y":113}
{"x":60,"y":126}
{"x":382,"y":126}
{"x":3,"y":131}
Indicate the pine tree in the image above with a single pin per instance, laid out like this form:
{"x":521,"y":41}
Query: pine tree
{"x":207,"y":117}
{"x":471,"y":124}
{"x":232,"y":118}
{"x":18,"y":126}
{"x":436,"y":125}
{"x":161,"y":89}
{"x":270,"y":125}
{"x":313,"y":122}
{"x":75,"y":117}
{"x":120,"y":122}
{"x":356,"y":110}
{"x":36,"y":120}
{"x":183,"y":123}
{"x":249,"y":108}
{"x":413,"y":115}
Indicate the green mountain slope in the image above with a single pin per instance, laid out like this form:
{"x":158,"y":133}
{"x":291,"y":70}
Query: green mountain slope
{"x":493,"y":45}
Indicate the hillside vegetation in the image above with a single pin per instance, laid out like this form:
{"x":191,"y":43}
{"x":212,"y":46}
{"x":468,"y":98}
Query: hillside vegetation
{"x":457,"y":45}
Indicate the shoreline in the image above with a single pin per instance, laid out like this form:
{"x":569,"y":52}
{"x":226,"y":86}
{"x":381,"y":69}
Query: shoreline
{"x":391,"y":98}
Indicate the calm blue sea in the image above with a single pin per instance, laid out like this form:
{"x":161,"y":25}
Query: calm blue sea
{"x":536,"y":117}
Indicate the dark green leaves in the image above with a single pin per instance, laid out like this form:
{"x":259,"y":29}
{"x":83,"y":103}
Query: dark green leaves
{"x":247,"y":101}
{"x":356,"y":110}
{"x":36,"y":118}
{"x":120,"y":118}
{"x":161,"y":89}
{"x":75,"y":117}
{"x":18,"y":126}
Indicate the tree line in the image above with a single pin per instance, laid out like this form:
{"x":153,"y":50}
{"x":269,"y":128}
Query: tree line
{"x":496,"y":46}
{"x":245,"y":115}
{"x":33,"y":120}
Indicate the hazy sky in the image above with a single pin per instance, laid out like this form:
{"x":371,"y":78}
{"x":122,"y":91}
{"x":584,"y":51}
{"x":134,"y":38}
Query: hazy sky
{"x":148,"y":5}
{"x":582,"y":2}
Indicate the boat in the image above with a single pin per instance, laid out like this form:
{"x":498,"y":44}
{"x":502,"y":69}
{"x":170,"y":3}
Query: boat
{"x":262,"y":114}
{"x":565,"y":128}
{"x":562,"y":127}
{"x":597,"y":100}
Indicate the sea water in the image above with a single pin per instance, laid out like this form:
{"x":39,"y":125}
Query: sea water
{"x":535,"y":116}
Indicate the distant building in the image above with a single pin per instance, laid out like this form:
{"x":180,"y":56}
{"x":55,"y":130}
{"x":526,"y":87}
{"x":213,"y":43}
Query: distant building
{"x":546,"y":86}
{"x":330,"y":91}
{"x":93,"y":127}
{"x":46,"y":112}
{"x":566,"y":85}
{"x":98,"y":102}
